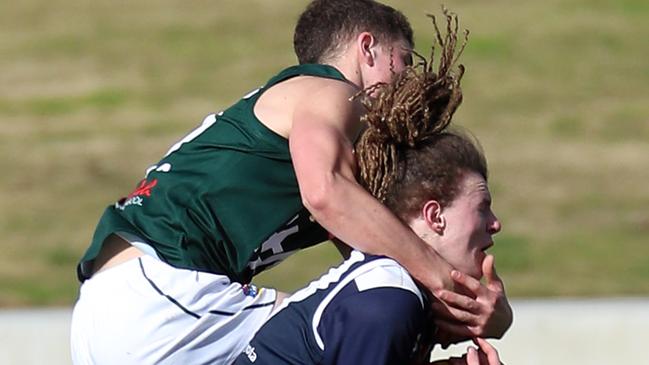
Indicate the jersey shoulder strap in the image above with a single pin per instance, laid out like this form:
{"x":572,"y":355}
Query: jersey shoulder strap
{"x":310,"y":69}
{"x":243,"y":116}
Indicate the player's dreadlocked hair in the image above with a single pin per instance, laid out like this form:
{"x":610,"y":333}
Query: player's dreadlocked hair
{"x":418,"y":104}
{"x":411,"y":114}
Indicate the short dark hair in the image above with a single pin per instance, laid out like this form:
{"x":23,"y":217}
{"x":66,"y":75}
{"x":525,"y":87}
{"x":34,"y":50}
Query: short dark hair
{"x":326,"y":24}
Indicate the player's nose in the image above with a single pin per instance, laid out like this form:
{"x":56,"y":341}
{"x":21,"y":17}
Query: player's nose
{"x":494,"y":224}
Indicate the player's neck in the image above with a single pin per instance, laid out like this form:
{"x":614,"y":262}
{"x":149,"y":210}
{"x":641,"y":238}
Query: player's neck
{"x":349,"y":67}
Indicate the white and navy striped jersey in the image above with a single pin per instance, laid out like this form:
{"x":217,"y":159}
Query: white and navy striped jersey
{"x":366,"y":311}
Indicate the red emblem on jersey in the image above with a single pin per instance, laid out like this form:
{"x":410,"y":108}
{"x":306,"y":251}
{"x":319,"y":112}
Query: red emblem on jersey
{"x":144,"y":188}
{"x":135,"y":198}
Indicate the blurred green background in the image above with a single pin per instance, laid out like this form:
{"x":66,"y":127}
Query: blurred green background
{"x":92,"y":92}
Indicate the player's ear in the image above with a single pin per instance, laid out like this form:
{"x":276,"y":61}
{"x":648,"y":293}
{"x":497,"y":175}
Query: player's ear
{"x":366,"y":44}
{"x":432,"y":214}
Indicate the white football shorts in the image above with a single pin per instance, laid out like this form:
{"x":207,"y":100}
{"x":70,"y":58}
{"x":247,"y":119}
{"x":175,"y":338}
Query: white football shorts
{"x":145,"y":311}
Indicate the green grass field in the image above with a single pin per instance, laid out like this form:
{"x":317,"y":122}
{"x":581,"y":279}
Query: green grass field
{"x":93,"y":92}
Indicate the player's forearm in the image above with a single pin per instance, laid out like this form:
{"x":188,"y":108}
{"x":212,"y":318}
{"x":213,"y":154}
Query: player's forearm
{"x":355,"y":217}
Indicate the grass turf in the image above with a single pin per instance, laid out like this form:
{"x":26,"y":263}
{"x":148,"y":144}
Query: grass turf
{"x":91,"y":93}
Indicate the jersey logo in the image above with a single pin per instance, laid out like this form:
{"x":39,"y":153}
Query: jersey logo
{"x":135,"y":198}
{"x":249,"y":290}
{"x":144,"y":188}
{"x":250,"y":352}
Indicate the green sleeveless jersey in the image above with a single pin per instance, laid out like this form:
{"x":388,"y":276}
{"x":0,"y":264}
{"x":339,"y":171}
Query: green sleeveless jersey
{"x":224,"y":199}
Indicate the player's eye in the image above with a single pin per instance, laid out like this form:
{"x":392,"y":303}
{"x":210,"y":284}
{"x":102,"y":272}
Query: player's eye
{"x":485,"y":206}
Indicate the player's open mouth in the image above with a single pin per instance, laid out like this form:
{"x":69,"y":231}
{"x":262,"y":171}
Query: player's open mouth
{"x":488,"y":246}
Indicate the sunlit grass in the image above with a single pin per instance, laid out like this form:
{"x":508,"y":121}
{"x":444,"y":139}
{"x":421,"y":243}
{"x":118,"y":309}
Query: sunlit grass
{"x":91,"y":93}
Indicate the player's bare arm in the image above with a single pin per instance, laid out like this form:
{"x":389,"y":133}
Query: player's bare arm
{"x":324,"y":125}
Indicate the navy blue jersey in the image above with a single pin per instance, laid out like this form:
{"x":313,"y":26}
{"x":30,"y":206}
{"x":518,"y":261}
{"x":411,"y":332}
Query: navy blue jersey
{"x":366,"y":311}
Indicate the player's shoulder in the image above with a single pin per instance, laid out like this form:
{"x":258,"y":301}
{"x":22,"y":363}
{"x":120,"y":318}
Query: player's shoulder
{"x":380,"y":292}
{"x":384,"y":272}
{"x":327,"y":101}
{"x":322,"y":90}
{"x":370,"y":291}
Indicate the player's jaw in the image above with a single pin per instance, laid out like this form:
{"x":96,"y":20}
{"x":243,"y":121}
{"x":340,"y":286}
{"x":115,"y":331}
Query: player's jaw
{"x":480,"y":255}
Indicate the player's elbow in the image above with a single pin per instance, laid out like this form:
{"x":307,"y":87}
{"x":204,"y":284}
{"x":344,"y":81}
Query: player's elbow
{"x":320,"y":197}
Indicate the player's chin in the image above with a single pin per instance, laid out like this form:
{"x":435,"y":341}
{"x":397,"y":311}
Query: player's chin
{"x":476,"y":271}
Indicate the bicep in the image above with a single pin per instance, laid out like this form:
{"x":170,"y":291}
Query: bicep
{"x":319,"y":148}
{"x":323,"y":128}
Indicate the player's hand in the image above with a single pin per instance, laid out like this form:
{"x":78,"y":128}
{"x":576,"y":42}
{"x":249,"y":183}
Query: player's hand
{"x":484,"y":313}
{"x":485,"y":354}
